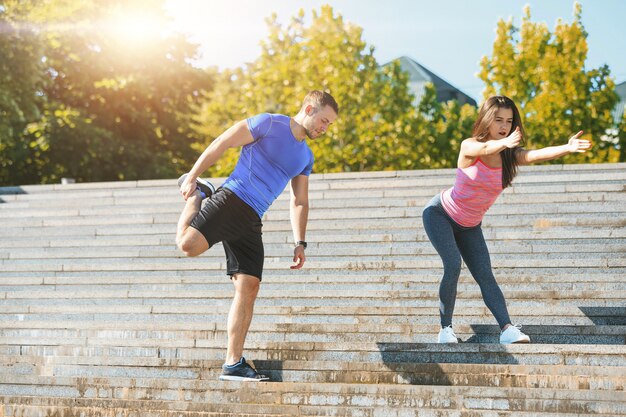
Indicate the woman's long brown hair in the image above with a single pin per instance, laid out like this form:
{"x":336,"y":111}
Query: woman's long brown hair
{"x":486,"y":115}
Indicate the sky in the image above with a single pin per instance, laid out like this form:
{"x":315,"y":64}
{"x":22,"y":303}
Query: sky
{"x":449,"y":37}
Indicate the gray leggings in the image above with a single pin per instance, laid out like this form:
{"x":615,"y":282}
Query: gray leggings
{"x":453,"y":241}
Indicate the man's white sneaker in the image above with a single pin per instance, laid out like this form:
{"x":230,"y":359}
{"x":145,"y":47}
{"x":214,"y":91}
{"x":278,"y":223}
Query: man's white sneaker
{"x":513,"y":334}
{"x":446,"y":335}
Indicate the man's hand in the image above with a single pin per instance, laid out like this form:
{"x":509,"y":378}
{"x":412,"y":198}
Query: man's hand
{"x":298,"y":257}
{"x":188,"y":187}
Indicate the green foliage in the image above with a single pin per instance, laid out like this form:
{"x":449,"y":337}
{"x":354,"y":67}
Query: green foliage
{"x":107,"y":108}
{"x":378,"y":128}
{"x":78,"y":100}
{"x":544,"y":73}
{"x":21,"y":98}
{"x":621,"y":138}
{"x":443,"y":126}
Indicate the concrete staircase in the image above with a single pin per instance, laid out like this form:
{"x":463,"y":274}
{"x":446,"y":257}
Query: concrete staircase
{"x":100,"y":314}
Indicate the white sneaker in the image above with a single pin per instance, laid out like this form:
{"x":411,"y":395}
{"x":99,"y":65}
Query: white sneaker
{"x":446,"y":335}
{"x":513,"y":334}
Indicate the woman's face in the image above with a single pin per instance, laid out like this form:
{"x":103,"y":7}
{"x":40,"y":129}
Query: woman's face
{"x":502,"y":124}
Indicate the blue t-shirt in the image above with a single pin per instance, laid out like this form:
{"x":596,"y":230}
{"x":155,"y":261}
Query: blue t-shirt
{"x":266,"y":165}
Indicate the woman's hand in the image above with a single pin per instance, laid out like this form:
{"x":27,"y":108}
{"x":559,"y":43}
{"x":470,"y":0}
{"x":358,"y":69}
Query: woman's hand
{"x":575,"y":144}
{"x":513,"y":140}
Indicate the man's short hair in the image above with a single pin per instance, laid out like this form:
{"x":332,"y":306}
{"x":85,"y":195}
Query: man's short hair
{"x":320,"y":99}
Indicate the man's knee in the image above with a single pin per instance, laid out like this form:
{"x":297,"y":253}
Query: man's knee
{"x":246,"y":285}
{"x":188,"y":248}
{"x":190,"y":244}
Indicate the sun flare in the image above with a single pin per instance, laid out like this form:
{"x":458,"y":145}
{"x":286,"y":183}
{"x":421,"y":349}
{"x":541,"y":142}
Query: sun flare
{"x":134,"y":28}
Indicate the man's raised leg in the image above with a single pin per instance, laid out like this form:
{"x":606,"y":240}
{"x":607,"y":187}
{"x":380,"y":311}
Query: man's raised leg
{"x":188,"y":239}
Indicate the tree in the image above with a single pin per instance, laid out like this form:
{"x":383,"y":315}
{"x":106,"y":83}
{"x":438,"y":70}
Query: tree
{"x":621,"y":138}
{"x":377,"y":128}
{"x":21,"y":84}
{"x":544,"y":73}
{"x":112,"y":108}
{"x":442,"y":126}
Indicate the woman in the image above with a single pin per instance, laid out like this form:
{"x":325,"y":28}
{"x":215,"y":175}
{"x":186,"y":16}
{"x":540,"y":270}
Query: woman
{"x":487,"y":164}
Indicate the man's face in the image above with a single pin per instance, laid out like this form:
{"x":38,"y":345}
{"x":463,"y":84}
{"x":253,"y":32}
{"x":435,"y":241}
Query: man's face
{"x":317,"y":121}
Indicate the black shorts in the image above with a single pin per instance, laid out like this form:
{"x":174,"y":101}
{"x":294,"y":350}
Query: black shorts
{"x":226,"y":218}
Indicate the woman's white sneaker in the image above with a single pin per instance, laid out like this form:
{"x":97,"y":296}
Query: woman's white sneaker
{"x":446,"y":335}
{"x":513,"y":334}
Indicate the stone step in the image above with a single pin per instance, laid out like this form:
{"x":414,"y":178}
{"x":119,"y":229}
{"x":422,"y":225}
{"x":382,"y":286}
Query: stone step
{"x":405,"y":276}
{"x":585,"y":213}
{"x":279,"y":265}
{"x":278,"y":287}
{"x":480,"y":353}
{"x":76,"y":325}
{"x":342,"y":353}
{"x":177,"y":334}
{"x":322,"y":199}
{"x":375,"y":272}
{"x":392,"y":226}
{"x":353,"y":193}
{"x":326,"y":399}
{"x":19,"y":315}
{"x":132,"y":372}
{"x":472,"y":293}
{"x":32,"y":411}
{"x":335,"y":314}
{"x":376,"y":299}
{"x":171,"y":202}
{"x":334,"y":189}
{"x":319,"y":252}
{"x":325,"y":190}
{"x":317,"y":249}
{"x":166,"y":239}
{"x":539,"y":229}
{"x":591,"y":238}
{"x":397,"y":255}
{"x":542,"y":173}
{"x":321,"y":297}
{"x":531,"y":174}
{"x":507,"y":204}
{"x":99,"y":313}
{"x":274,"y":285}
{"x":304,"y":282}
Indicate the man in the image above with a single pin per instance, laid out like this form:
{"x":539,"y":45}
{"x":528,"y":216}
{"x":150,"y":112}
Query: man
{"x":274,"y":152}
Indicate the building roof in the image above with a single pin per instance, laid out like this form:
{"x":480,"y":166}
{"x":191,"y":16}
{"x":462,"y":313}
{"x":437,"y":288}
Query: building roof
{"x":420,"y":75}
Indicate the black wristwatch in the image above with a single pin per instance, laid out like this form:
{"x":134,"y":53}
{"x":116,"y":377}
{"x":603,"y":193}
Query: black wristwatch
{"x":301,"y":243}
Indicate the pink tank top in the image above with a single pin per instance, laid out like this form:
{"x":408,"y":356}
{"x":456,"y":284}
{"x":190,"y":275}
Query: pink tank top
{"x":475,"y":189}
